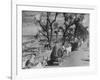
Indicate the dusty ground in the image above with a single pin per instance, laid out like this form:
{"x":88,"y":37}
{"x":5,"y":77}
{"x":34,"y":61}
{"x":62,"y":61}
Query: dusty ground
{"x":76,"y":58}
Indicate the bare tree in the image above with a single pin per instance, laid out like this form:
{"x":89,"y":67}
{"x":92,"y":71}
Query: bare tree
{"x":71,"y":19}
{"x":46,"y":23}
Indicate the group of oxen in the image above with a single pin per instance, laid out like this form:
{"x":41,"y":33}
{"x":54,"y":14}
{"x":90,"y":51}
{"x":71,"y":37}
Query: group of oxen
{"x":58,"y":52}
{"x":55,"y":57}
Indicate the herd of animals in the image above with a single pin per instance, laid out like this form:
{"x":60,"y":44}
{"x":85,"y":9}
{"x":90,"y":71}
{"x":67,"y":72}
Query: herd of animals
{"x":55,"y":58}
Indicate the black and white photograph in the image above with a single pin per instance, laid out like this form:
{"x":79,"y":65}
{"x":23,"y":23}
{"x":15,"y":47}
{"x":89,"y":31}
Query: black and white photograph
{"x":50,"y":40}
{"x":54,"y":39}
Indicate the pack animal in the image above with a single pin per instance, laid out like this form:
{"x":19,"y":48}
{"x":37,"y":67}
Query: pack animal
{"x":67,"y":50}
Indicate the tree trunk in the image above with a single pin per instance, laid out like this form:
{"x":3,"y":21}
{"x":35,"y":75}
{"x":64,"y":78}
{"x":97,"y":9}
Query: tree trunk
{"x":64,"y":39}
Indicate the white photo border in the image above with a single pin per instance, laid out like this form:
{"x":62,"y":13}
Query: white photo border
{"x":19,"y":73}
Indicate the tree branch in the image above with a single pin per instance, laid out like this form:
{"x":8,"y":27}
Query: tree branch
{"x":54,"y":18}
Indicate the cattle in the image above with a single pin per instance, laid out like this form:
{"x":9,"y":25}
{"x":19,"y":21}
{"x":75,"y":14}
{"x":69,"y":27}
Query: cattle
{"x":60,"y":53}
{"x":44,"y":62}
{"x":74,"y":46}
{"x":67,"y":50}
{"x":56,"y":55}
{"x":32,"y":59}
{"x":39,"y":65}
{"x":80,"y":43}
{"x":36,"y":62}
{"x":53,"y":55}
{"x":30,"y":62}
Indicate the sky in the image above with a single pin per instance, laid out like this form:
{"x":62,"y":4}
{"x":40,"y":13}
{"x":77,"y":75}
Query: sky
{"x":28,"y":26}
